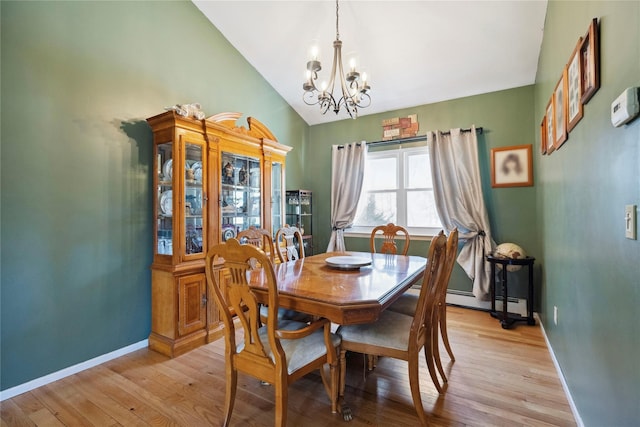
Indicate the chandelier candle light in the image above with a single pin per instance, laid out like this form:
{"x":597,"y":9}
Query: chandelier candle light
{"x":354,"y":91}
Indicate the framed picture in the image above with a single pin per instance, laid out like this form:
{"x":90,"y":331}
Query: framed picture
{"x":590,"y":62}
{"x":512,"y":166}
{"x":543,"y":136}
{"x":551,"y":134}
{"x":574,"y":88}
{"x":560,"y":106}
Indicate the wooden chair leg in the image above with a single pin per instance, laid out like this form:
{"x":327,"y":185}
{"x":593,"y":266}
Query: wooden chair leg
{"x":414,"y":383}
{"x":436,"y":355}
{"x":428,"y":355}
{"x":281,"y":389}
{"x":443,"y":331}
{"x":331,"y":383}
{"x":230,"y":396}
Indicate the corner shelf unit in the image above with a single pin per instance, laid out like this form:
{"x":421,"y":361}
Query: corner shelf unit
{"x":298,"y":213}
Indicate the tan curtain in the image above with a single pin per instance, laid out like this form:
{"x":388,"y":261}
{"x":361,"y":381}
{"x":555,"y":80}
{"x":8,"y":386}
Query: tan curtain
{"x":347,"y":175}
{"x":457,"y":190}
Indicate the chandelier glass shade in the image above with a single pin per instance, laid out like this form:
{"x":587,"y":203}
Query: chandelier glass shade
{"x":353,"y":89}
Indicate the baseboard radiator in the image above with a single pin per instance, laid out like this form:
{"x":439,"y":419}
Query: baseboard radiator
{"x":467,"y":299}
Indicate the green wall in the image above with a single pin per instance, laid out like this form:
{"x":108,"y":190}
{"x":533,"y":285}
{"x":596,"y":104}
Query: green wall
{"x":591,"y":272}
{"x":506,"y":118}
{"x":78,"y":81}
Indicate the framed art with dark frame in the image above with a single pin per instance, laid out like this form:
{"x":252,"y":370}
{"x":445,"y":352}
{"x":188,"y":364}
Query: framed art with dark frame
{"x":590,"y":61}
{"x":560,"y":105}
{"x":512,"y":166}
{"x":574,"y":88}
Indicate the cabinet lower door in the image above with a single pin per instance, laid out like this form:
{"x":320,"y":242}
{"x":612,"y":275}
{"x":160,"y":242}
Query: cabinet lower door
{"x":192,"y":298}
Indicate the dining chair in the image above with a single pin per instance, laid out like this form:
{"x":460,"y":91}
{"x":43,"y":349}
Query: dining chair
{"x":287,"y":251}
{"x":286,"y":238}
{"x":389,"y":234}
{"x":279,"y":352}
{"x":406,"y":303}
{"x":260,"y":238}
{"x":399,"y":336}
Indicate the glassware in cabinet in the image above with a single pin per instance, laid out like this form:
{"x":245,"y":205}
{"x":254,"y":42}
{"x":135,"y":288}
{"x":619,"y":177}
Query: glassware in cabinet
{"x":240,"y":195}
{"x":299,"y":204}
{"x":277,"y":184}
{"x":194,"y":203}
{"x":164,"y":210}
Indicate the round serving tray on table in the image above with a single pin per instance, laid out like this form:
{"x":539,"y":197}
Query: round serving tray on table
{"x":346,"y":262}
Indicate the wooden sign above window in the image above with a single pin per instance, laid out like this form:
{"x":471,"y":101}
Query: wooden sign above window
{"x":400,"y":127}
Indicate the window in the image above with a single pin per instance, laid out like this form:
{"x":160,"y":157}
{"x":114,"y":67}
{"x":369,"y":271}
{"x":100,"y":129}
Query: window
{"x":398,"y":188}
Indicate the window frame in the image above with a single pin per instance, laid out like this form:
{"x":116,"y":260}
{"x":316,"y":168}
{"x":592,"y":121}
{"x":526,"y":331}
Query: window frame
{"x":401,"y":155}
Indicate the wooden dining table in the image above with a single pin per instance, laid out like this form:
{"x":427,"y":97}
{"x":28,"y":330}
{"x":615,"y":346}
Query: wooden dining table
{"x":345,"y":295}
{"x":342,"y":291}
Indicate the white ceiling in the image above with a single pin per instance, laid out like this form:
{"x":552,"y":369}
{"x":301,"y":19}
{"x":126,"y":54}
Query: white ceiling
{"x":414,"y":52}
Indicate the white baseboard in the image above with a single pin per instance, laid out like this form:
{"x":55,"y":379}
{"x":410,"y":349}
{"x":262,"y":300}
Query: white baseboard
{"x":565,"y":387}
{"x":38,"y":382}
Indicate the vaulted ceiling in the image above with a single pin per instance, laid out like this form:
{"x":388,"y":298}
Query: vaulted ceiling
{"x":414,"y":52}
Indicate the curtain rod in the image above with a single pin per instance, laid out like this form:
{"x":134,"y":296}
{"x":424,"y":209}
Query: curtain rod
{"x":410,"y":138}
{"x":416,"y":138}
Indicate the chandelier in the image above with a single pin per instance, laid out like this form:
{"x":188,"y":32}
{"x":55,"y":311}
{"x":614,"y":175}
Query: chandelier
{"x":354,"y":89}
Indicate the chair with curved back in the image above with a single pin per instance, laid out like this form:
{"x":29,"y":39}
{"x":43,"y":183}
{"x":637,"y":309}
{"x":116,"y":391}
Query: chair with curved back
{"x":287,"y":251}
{"x":406,"y":303}
{"x":403,"y":337}
{"x":390,"y":233}
{"x":286,"y":238}
{"x":279,"y":352}
{"x":260,"y":238}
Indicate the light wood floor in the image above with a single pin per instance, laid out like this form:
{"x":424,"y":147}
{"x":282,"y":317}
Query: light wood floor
{"x":500,"y":378}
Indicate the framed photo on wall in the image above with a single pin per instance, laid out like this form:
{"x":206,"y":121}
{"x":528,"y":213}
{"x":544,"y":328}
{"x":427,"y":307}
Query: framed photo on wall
{"x":543,"y":136}
{"x":574,"y":88}
{"x":560,"y":106}
{"x":551,"y":135}
{"x":590,"y":62}
{"x":512,"y":166}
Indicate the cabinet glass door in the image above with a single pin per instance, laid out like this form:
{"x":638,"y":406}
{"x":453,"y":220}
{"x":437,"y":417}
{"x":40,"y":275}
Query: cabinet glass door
{"x":240,"y":196}
{"x":164,"y":212}
{"x":276,"y":196}
{"x":193,"y":199}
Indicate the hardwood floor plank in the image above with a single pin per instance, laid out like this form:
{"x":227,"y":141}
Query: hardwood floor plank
{"x":54,"y":398}
{"x":12,"y":414}
{"x":86,"y":384}
{"x":500,"y":377}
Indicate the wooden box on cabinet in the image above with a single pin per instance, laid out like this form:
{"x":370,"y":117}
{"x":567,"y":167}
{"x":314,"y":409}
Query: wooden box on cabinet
{"x":191,"y":187}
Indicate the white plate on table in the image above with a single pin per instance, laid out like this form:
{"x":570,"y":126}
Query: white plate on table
{"x":347,"y":262}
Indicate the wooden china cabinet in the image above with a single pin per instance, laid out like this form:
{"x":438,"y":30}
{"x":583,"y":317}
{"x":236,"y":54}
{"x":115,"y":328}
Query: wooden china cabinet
{"x":212,"y":179}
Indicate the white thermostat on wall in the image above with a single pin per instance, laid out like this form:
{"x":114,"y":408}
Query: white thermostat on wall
{"x":626,"y":107}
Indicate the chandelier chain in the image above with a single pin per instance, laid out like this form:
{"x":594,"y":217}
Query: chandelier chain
{"x":337,"y":18}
